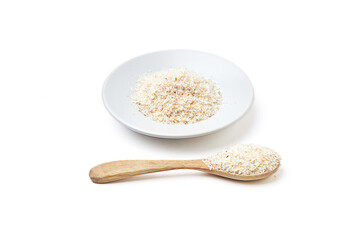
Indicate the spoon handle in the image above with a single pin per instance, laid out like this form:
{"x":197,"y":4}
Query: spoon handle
{"x":117,"y":170}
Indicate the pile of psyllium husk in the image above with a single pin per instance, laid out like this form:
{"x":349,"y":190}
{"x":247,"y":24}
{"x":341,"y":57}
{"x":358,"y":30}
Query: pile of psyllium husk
{"x":245,"y":160}
{"x":177,"y":96}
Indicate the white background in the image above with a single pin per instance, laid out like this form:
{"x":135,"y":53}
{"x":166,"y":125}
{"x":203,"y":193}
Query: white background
{"x":303,"y":58}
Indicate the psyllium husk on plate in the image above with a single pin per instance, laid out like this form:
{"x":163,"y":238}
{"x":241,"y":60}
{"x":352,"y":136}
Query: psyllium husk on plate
{"x":177,"y":96}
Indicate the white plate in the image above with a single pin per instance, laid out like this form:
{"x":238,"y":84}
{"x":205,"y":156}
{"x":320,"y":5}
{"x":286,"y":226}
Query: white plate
{"x":235,"y":86}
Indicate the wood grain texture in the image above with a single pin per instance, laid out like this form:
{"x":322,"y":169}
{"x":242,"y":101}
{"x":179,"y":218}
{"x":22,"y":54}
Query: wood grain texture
{"x":117,"y":170}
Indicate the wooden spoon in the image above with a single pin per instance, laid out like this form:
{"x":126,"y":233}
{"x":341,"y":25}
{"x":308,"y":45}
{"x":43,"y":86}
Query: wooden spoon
{"x":117,"y":170}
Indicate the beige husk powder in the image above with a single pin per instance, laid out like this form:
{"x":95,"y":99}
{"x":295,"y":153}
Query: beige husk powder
{"x":177,"y":96}
{"x":245,"y":160}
